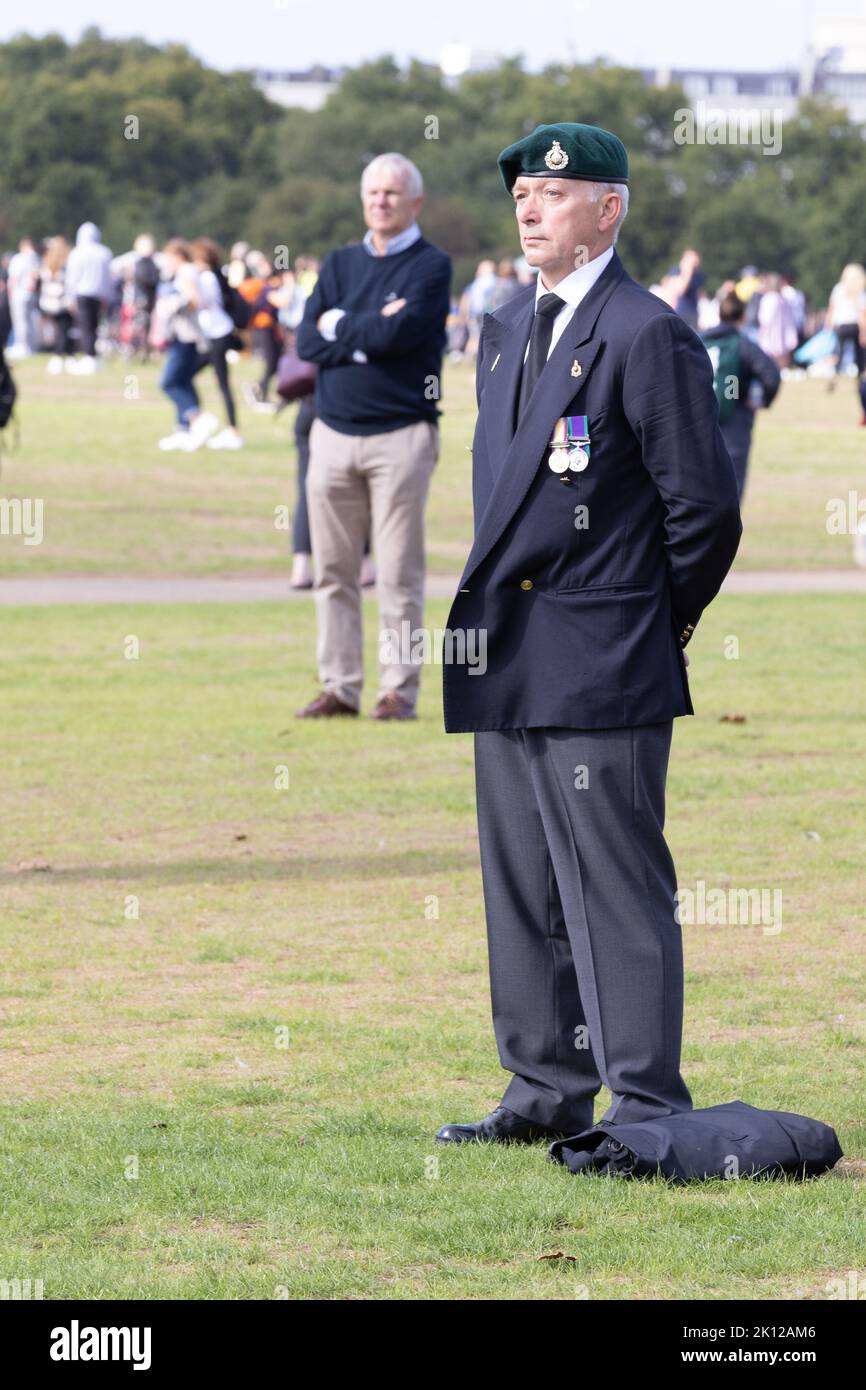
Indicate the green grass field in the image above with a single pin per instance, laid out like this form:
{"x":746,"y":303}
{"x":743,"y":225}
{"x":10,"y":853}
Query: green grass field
{"x":115,"y":505}
{"x":234,"y":1012}
{"x":305,"y":1159}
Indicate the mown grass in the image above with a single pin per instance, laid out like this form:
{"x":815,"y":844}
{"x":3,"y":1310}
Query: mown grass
{"x":115,"y":505}
{"x":233,"y":1016}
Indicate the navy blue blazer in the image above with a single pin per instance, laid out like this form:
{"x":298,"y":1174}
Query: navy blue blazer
{"x":585,"y":613}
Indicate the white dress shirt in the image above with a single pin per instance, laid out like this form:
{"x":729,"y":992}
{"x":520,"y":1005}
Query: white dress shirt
{"x":397,"y":243}
{"x":572,"y":289}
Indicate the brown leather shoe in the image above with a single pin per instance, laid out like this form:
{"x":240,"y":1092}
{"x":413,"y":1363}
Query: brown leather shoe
{"x":393,"y":706}
{"x":325,"y":706}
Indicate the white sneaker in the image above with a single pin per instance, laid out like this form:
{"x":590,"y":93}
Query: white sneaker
{"x":55,"y":365}
{"x":85,"y":366}
{"x":178,"y":440}
{"x":201,"y":428}
{"x":16,"y":352}
{"x":226,"y":439}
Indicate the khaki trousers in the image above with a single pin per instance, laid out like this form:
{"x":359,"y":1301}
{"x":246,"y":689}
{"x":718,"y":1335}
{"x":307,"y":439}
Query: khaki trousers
{"x":354,"y":482}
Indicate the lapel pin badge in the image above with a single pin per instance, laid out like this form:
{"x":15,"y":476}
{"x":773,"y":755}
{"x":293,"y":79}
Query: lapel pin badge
{"x":576,"y":368}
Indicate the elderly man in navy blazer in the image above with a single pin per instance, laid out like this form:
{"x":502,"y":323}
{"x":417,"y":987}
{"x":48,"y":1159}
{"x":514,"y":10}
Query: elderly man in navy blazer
{"x":606,"y":518}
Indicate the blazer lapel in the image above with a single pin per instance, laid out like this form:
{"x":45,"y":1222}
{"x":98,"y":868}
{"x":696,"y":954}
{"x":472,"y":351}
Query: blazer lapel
{"x":504,"y":353}
{"x":556,"y":388}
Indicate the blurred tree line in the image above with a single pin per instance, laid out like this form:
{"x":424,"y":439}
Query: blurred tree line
{"x":213,"y":156}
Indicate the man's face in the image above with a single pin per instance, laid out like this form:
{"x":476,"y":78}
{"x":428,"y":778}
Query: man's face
{"x":388,"y":208}
{"x":560,"y":226}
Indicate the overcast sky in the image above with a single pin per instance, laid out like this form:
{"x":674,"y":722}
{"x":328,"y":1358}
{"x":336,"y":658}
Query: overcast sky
{"x":298,"y":33}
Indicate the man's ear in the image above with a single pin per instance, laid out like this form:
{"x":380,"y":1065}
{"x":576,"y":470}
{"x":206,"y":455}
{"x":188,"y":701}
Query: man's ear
{"x":606,"y":206}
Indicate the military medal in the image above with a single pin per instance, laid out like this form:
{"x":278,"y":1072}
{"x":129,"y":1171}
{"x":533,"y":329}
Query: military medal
{"x":559,"y":448}
{"x":577,"y":434}
{"x":569,"y":445}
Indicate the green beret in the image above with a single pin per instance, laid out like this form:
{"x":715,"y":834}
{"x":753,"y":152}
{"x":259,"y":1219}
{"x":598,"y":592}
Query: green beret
{"x":566,"y":151}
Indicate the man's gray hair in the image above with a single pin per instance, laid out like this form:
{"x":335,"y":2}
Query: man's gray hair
{"x":410,"y":172}
{"x":599,"y":190}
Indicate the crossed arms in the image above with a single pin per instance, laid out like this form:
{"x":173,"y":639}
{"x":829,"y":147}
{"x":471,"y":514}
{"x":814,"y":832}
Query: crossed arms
{"x":333,"y":336}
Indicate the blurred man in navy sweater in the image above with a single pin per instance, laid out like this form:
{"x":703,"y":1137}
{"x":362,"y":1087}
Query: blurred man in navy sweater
{"x":375,"y":324}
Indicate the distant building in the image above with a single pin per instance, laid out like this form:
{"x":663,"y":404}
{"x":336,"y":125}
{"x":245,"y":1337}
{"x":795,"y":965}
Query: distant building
{"x":777,"y":90}
{"x":833,"y":66}
{"x":456,"y":59}
{"x":307,"y":90}
{"x":733,"y":91}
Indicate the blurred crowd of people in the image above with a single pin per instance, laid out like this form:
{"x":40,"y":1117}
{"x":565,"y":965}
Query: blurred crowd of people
{"x":493,"y":285}
{"x":197,"y":308}
{"x":187,"y":301}
{"x":79,"y":303}
{"x":820,"y":340}
{"x":774,"y":309}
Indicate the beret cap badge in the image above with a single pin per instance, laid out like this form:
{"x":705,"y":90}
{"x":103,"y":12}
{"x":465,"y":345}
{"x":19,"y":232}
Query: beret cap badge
{"x":556,"y":158}
{"x":568,"y":150}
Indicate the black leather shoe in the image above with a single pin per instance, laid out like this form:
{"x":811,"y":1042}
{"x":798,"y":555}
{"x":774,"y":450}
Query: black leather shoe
{"x":500,"y":1127}
{"x":578,"y":1162}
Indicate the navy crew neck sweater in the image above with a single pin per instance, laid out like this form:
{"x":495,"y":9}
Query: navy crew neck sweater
{"x":400,"y":382}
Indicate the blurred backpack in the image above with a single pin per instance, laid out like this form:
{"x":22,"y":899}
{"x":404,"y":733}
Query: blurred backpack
{"x":238,"y":309}
{"x":724,"y":353}
{"x":8,"y":392}
{"x":146,"y":281}
{"x":295,"y":377}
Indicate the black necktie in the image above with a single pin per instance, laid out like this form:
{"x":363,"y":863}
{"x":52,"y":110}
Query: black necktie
{"x":546,"y":311}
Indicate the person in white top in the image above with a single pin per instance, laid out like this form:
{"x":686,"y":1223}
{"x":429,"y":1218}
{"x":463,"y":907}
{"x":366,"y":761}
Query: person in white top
{"x":177,"y":313}
{"x":218,"y":328}
{"x":845,"y":314}
{"x":23,"y":284}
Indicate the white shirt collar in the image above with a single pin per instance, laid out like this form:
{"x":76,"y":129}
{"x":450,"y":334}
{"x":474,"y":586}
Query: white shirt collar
{"x":397,"y":243}
{"x":577,"y":285}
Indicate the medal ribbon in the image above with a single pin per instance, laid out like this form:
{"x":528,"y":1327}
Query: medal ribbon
{"x":577,"y":428}
{"x":559,"y":437}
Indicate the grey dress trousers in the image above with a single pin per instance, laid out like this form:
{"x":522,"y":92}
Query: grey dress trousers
{"x":585,"y":949}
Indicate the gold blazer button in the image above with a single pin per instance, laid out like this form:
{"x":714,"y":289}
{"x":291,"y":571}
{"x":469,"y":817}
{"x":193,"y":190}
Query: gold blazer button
{"x":526,"y":583}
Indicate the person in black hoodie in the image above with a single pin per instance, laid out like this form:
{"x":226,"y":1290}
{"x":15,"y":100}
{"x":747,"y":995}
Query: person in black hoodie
{"x":746,"y":380}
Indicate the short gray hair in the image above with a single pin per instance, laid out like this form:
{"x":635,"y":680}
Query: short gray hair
{"x":600,"y":189}
{"x":411,"y":173}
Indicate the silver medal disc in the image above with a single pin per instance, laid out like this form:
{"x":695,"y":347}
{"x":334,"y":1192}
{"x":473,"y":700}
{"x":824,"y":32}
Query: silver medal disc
{"x":577,"y":459}
{"x":558,"y":460}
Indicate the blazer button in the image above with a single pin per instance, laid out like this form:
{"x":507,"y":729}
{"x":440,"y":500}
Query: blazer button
{"x":526,"y":583}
